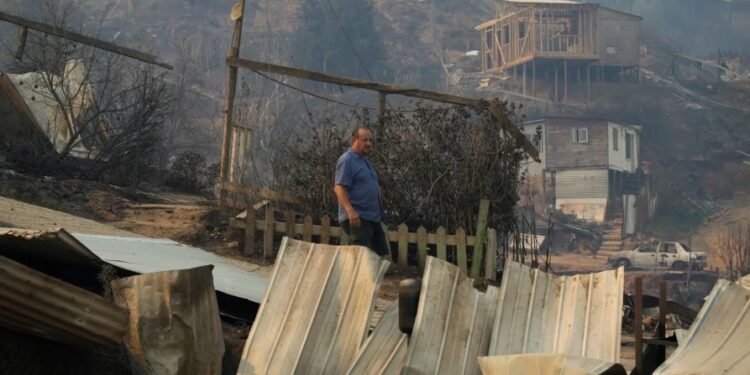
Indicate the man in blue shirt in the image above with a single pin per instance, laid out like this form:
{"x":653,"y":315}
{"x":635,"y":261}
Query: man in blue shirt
{"x":358,"y":193}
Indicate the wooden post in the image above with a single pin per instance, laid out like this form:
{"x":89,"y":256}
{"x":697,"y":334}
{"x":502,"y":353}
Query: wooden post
{"x":638,"y":324}
{"x":226,"y":145}
{"x":442,"y":252}
{"x":403,"y":246}
{"x":556,"y":96}
{"x":249,"y":231}
{"x":491,"y":255}
{"x":307,"y":229}
{"x":290,"y":223}
{"x":524,"y":79}
{"x":588,"y":82}
{"x":565,"y":80}
{"x":478,"y":257}
{"x":381,"y":110}
{"x":662,"y":327}
{"x":325,"y":230}
{"x":22,"y":36}
{"x":422,"y":247}
{"x":533,"y":78}
{"x":268,"y":233}
{"x":461,"y":249}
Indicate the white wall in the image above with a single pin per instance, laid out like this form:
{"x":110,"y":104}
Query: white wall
{"x":617,"y":159}
{"x":535,"y":169}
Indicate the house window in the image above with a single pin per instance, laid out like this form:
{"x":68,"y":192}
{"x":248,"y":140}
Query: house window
{"x":628,"y":146}
{"x":611,"y":50}
{"x":581,"y":135}
{"x":615,"y":140}
{"x":521,"y":29}
{"x":506,"y":34}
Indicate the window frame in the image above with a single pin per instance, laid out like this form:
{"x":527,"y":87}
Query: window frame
{"x":615,"y":139}
{"x":629,"y":141}
{"x":577,"y":132}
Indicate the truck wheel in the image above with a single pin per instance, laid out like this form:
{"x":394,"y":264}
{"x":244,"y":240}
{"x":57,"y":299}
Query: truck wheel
{"x":679,"y":266}
{"x":622,"y":263}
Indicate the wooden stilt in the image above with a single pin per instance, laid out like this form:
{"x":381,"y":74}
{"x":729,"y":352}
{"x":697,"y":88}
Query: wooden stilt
{"x":556,"y":97}
{"x":533,"y":78}
{"x":524,"y":78}
{"x":565,"y":80}
{"x":588,"y":82}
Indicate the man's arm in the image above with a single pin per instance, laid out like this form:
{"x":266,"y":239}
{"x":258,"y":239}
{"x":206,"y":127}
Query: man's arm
{"x":351,"y":213}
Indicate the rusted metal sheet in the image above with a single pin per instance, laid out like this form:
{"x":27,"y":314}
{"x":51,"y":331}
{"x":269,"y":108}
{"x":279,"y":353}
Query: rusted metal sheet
{"x":385,"y":349}
{"x":547,"y":364}
{"x":34,"y":303}
{"x":717,"y":340}
{"x":542,"y":313}
{"x":174,"y":321}
{"x":453,"y":325}
{"x":316,"y":311}
{"x":136,"y":254}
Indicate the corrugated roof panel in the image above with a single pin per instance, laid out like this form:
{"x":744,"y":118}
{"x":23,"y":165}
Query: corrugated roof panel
{"x":717,"y":340}
{"x":316,"y":312}
{"x":136,"y":254}
{"x":34,"y":303}
{"x":174,"y":321}
{"x":547,"y":364}
{"x":453,"y":323}
{"x":384,"y":351}
{"x":542,"y":313}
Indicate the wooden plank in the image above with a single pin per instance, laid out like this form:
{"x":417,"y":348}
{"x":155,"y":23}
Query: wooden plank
{"x":442,"y":252}
{"x":478,"y":256}
{"x":307,"y":229}
{"x":22,"y":37}
{"x":325,"y":230}
{"x":290,"y":223}
{"x":403,"y":246}
{"x":500,"y":117}
{"x":491,"y":255}
{"x":461,"y":249}
{"x":422,"y":247}
{"x":250,"y":231}
{"x":83,"y":39}
{"x":638,"y":324}
{"x":268,"y":233}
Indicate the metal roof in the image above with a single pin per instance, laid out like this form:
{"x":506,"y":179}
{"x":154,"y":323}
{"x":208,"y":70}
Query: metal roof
{"x":316,"y":311}
{"x":717,"y":340}
{"x":37,"y":304}
{"x":543,"y":313}
{"x":136,"y":254}
{"x":174,"y":321}
{"x":453,"y":323}
{"x":547,"y":364}
{"x":384,"y":351}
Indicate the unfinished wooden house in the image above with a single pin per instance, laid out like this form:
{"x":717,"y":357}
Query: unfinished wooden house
{"x":560,"y":41}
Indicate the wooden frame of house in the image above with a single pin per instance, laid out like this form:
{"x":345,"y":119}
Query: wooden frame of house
{"x":557,"y":37}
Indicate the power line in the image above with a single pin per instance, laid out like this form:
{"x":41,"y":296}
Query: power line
{"x":348,"y":40}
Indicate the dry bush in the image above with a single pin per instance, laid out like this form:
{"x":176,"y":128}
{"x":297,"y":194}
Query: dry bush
{"x":734,"y":249}
{"x":434,"y":165}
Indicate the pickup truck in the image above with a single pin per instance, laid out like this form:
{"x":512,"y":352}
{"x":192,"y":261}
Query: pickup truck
{"x":659,"y":254}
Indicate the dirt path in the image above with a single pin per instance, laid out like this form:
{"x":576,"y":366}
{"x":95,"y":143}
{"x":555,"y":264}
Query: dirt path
{"x":17,"y":214}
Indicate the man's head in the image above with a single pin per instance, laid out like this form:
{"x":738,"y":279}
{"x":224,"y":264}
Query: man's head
{"x":362,"y":141}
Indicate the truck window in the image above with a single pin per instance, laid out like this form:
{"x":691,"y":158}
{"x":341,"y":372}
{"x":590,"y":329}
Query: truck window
{"x":686,"y":247}
{"x":670,"y":248}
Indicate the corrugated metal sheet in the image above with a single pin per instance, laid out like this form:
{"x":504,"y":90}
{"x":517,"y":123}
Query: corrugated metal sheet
{"x":453,"y":324}
{"x":384,"y":351}
{"x":35,"y":303}
{"x":547,"y":364}
{"x":583,"y":183}
{"x":136,"y":254}
{"x":316,"y":312}
{"x":543,"y":313}
{"x":717,"y":340}
{"x":174,"y":321}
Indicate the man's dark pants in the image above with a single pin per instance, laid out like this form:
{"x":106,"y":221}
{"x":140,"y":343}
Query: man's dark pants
{"x":369,"y":234}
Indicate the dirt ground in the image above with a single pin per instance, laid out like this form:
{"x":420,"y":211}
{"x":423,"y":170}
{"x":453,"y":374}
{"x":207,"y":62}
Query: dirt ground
{"x":706,"y":238}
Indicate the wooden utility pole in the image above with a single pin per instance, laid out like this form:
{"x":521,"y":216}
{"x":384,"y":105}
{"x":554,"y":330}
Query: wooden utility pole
{"x":381,"y":110}
{"x":238,"y":12}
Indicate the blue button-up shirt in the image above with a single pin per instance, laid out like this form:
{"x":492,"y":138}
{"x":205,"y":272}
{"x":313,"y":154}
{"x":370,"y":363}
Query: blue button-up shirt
{"x":356,"y":174}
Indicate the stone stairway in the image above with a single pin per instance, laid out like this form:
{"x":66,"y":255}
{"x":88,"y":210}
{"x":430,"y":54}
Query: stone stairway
{"x":612,"y":237}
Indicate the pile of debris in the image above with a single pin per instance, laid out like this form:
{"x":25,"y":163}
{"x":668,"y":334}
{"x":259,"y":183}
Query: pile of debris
{"x":316,"y":313}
